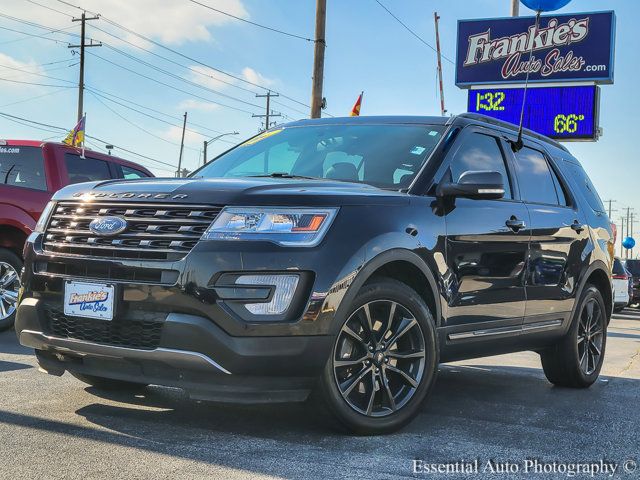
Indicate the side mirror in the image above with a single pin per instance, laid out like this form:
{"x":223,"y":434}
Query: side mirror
{"x":478,"y":184}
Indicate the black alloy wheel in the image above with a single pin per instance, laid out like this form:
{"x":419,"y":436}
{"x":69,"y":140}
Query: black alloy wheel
{"x":379,"y":357}
{"x":590,"y":336}
{"x":384,"y":360}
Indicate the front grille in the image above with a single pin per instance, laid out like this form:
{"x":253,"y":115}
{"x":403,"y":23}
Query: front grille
{"x":142,"y":334}
{"x":161,"y":232}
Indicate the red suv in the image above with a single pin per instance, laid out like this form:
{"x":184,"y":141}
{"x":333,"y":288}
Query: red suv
{"x":30,"y":172}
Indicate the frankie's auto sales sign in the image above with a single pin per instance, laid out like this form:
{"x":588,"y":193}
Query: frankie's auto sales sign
{"x":572,"y":47}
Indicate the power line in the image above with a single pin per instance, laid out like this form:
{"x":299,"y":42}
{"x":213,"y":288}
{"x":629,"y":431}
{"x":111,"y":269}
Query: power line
{"x":122,"y":117}
{"x":35,"y":83}
{"x":131,"y":102}
{"x":178,"y":77}
{"x":175,"y":52}
{"x":55,"y":127}
{"x":272,"y":29}
{"x":191,"y":69}
{"x":31,"y":35}
{"x":38,"y":25}
{"x":412,"y":32}
{"x":169,"y":86}
{"x":49,"y":8}
{"x":33,"y":98}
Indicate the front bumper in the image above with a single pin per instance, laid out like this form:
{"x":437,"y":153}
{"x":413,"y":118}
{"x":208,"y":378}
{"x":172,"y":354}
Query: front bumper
{"x":193,"y":354}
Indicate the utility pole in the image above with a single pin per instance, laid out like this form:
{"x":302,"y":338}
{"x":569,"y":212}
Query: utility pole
{"x":83,"y":19}
{"x":621,"y":236}
{"x":268,"y":114}
{"x":443,"y":111}
{"x":631,"y":233}
{"x":184,"y":128}
{"x":318,"y":59}
{"x":515,"y":8}
{"x":611,"y":210}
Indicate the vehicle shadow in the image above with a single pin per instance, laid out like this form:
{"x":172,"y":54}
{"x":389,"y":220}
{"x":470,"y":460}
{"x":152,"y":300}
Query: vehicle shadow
{"x":9,"y":366}
{"x":474,"y":411}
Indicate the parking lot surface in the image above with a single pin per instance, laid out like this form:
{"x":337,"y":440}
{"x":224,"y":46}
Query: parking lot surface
{"x":498,"y":409}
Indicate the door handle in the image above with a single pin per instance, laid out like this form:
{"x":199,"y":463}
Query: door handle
{"x":515,"y":224}
{"x":577,"y":227}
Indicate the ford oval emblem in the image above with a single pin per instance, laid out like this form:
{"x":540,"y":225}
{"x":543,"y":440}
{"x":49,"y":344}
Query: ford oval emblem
{"x":105,"y":226}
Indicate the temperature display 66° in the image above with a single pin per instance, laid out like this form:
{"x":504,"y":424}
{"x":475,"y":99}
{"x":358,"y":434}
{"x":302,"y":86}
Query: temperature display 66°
{"x":564,"y":113}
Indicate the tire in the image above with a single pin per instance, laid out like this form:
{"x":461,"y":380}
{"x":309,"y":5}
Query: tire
{"x":108,"y":383}
{"x":356,"y":404}
{"x":10,"y":267}
{"x":567,"y":364}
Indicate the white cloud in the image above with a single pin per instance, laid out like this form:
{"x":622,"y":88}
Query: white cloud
{"x":169,"y":21}
{"x":252,"y":76}
{"x":191,"y":104}
{"x":13,"y":69}
{"x":217,"y":81}
{"x":175,"y":134}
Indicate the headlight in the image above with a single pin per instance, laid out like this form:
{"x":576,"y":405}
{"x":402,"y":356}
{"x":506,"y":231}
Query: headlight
{"x":300,"y":227}
{"x":44,"y":217}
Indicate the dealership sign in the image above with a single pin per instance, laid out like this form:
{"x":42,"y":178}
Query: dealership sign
{"x":568,"y":48}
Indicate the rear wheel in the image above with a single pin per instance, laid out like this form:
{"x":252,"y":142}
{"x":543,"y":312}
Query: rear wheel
{"x":108,"y":383}
{"x":577,"y":359}
{"x":384,"y":360}
{"x":10,"y":266}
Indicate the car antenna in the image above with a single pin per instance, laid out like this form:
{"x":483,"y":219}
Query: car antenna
{"x":517,"y":145}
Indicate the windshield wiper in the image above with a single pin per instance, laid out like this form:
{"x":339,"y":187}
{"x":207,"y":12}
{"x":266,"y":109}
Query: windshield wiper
{"x":284,"y":175}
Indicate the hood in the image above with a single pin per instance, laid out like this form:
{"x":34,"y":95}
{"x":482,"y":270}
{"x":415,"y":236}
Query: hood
{"x":233,"y":191}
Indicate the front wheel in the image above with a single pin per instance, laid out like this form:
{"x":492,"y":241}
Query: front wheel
{"x":577,"y":359}
{"x":384,"y":360}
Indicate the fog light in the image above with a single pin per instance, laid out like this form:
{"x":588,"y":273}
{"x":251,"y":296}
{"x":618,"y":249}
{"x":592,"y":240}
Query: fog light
{"x":285,"y":287}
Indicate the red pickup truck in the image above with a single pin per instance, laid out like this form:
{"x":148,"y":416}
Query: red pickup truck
{"x":30,"y":173}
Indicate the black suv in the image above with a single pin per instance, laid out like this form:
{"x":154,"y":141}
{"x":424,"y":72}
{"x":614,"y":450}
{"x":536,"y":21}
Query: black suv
{"x":349,"y":256}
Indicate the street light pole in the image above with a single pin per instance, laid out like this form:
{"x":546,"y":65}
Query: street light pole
{"x":207,"y":142}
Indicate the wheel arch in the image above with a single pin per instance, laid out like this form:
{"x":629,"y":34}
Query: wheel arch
{"x":12,"y":238}
{"x":402,"y":265}
{"x":597,"y":275}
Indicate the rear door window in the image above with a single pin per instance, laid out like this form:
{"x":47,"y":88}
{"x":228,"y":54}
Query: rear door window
{"x":22,"y":167}
{"x":86,"y":169}
{"x":537,"y":181}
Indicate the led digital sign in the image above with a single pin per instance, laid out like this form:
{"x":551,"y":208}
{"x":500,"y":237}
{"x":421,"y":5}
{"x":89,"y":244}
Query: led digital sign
{"x":563,"y":113}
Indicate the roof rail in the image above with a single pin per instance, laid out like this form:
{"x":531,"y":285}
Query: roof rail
{"x":501,"y":123}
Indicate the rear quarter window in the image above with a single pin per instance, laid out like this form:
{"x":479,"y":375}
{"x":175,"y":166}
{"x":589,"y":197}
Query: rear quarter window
{"x":585,"y":186}
{"x":22,"y":167}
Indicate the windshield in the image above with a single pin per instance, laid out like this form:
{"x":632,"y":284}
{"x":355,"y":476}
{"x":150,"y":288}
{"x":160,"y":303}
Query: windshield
{"x":386,"y":156}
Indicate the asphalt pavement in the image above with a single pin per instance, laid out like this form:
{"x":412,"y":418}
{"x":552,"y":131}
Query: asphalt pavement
{"x":492,"y":417}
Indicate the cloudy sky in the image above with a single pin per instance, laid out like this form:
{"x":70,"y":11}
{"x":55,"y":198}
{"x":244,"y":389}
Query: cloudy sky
{"x":366,"y":50}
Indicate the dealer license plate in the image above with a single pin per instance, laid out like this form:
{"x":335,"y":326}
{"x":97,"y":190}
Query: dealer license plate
{"x":91,"y":300}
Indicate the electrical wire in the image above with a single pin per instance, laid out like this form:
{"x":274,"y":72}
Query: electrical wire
{"x":35,"y":83}
{"x":53,"y":128}
{"x":30,"y":35}
{"x":272,"y":29}
{"x":49,"y":8}
{"x":170,"y":86}
{"x":122,"y":117}
{"x":34,"y":98}
{"x":191,"y":59}
{"x":412,"y":32}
